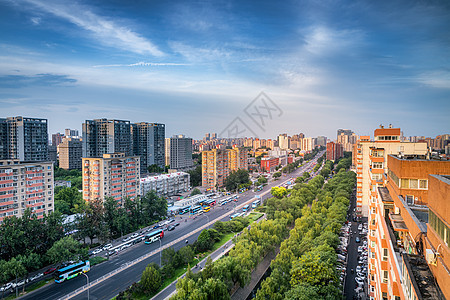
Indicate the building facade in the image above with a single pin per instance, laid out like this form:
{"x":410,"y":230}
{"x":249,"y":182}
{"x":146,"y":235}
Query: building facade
{"x":57,"y":138}
{"x":25,"y":185}
{"x":25,"y":139}
{"x":148,"y":143}
{"x":408,"y":212}
{"x":370,"y":159}
{"x":166,"y":184}
{"x":114,"y":175}
{"x":103,"y":136}
{"x":70,"y":152}
{"x":334,"y":151}
{"x":179,"y":152}
{"x":217,"y":165}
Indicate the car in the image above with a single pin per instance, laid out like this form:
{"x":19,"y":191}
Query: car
{"x":97,"y":251}
{"x":176,"y":224}
{"x":111,"y":253}
{"x":107,"y":247}
{"x":171,"y":221}
{"x":134,"y":235}
{"x":49,"y":271}
{"x":36,"y":276}
{"x":156,"y":226}
{"x":171,"y":227}
{"x":126,"y":239}
{"x":357,"y":239}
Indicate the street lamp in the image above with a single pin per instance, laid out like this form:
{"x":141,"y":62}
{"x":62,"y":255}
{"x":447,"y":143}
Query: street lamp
{"x":207,"y":220}
{"x":160,"y":253}
{"x":87,"y":278}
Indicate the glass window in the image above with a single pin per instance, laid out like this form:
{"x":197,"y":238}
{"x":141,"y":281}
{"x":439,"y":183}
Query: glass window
{"x":404,"y":183}
{"x":413,"y":184}
{"x":423,"y":184}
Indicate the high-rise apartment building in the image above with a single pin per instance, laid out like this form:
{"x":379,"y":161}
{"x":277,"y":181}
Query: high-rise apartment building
{"x":284,"y":141}
{"x":114,"y":175}
{"x":148,"y":143}
{"x":25,"y":139}
{"x":347,"y":139}
{"x":25,"y":185}
{"x":57,"y":138}
{"x":370,"y":159}
{"x":308,"y":144}
{"x":408,"y":232}
{"x":70,"y":152}
{"x":321,"y":141}
{"x":179,"y":152}
{"x":334,"y":151}
{"x":102,"y":136}
{"x":218,"y":164}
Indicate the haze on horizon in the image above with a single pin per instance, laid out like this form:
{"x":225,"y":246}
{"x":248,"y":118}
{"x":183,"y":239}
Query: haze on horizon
{"x":196,"y":66}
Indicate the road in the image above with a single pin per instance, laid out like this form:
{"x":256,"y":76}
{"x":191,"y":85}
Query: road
{"x":110,"y":287}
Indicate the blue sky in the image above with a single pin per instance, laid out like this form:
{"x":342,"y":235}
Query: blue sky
{"x":196,"y":65}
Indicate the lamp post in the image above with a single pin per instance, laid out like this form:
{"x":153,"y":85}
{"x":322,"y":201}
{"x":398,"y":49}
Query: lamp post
{"x":160,"y":253}
{"x":207,"y":221}
{"x":87,"y":278}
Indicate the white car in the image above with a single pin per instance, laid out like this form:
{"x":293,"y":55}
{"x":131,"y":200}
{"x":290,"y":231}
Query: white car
{"x":38,"y":275}
{"x":134,"y":235}
{"x":97,"y":251}
{"x":107,"y":247}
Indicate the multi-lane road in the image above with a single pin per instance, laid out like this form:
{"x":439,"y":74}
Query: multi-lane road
{"x":189,"y":229}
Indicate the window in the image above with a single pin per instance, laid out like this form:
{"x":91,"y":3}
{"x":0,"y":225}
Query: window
{"x":409,"y":199}
{"x":377,"y":165}
{"x":385,"y":277}
{"x":423,"y":184}
{"x":404,"y":183}
{"x":385,"y":254}
{"x":413,"y":184}
{"x":439,"y":227}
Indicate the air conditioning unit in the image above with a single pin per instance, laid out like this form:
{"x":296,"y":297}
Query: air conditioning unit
{"x":431,"y":257}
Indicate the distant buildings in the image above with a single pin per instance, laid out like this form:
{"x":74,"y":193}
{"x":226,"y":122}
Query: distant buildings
{"x":25,"y":139}
{"x":334,"y":151}
{"x":179,"y":152}
{"x":57,"y":138}
{"x":71,"y":132}
{"x":347,"y":139}
{"x":25,"y":185}
{"x":70,"y":152}
{"x":218,"y":164}
{"x":113,"y":175}
{"x":166,"y":184}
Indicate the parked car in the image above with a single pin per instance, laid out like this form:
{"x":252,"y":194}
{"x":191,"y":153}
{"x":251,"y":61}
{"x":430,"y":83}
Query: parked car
{"x":36,"y":276}
{"x":357,"y":239}
{"x":171,"y":227}
{"x":107,"y":247}
{"x":49,"y":271}
{"x":134,"y":235}
{"x":97,"y":251}
{"x":176,"y":224}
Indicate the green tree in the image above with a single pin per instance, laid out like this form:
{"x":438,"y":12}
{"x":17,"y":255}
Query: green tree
{"x":151,"y":279}
{"x":4,"y":274}
{"x":278,"y":192}
{"x":261,"y":180}
{"x":276,"y":175}
{"x":236,"y":178}
{"x":154,"y":169}
{"x":31,"y":262}
{"x":186,"y":254}
{"x":64,"y":250}
{"x":195,"y":191}
{"x":196,"y":176}
{"x":68,"y":200}
{"x":16,"y":270}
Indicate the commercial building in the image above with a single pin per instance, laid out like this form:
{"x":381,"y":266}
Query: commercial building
{"x":179,"y":152}
{"x":25,"y":139}
{"x":148,"y":143}
{"x":269,"y":163}
{"x":166,"y":184}
{"x":334,"y":151}
{"x":408,"y":234}
{"x":102,"y":136}
{"x":25,"y":185}
{"x":370,"y":157}
{"x":70,"y":151}
{"x":217,"y":165}
{"x":57,"y":138}
{"x":113,"y":175}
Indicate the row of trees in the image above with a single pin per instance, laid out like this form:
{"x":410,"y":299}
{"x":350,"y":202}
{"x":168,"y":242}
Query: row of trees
{"x":305,"y":268}
{"x":237,"y":179}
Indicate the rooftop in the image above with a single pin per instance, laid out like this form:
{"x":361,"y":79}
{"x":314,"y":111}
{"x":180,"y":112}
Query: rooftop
{"x":384,"y":193}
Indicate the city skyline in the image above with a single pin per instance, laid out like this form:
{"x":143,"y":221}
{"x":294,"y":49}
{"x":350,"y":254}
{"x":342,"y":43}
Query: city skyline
{"x":179,"y":63}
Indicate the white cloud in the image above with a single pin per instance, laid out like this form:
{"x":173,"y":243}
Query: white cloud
{"x":437,"y":79}
{"x":140,"y":64}
{"x":323,"y":41}
{"x":106,"y":31}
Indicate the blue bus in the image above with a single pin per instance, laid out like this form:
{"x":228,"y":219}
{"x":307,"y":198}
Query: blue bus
{"x":154,"y":236}
{"x":256,"y":203}
{"x":195,"y":209}
{"x":245,"y":208}
{"x":72,"y":271}
{"x":184,"y":210}
{"x":234,"y":216}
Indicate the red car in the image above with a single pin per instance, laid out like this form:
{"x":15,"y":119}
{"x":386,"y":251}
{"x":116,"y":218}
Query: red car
{"x":49,"y":271}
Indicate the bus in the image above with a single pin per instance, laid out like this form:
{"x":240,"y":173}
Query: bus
{"x":154,"y":236}
{"x":72,"y":271}
{"x":223,"y":202}
{"x":184,"y":210}
{"x":195,"y":209}
{"x":256,"y":203}
{"x":202,"y":202}
{"x":245,"y":208}
{"x":209,"y":202}
{"x":206,"y":209}
{"x":234,"y":216}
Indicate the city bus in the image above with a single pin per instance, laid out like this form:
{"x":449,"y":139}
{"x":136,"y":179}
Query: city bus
{"x":234,"y":216}
{"x":184,"y":210}
{"x":72,"y":271}
{"x":195,"y":209}
{"x":222,"y":201}
{"x":245,"y":208}
{"x":209,"y":202}
{"x":256,"y":203}
{"x":154,"y":236}
{"x":206,"y":209}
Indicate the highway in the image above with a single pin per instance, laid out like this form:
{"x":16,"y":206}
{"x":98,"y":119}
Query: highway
{"x":110,"y":287}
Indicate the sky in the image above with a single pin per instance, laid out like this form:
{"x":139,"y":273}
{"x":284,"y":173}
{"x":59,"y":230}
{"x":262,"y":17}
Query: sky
{"x":257,"y":67}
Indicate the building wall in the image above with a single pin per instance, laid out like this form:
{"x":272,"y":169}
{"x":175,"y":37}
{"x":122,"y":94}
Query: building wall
{"x":25,"y":185}
{"x":166,"y":184}
{"x":114,"y":175}
{"x":70,"y":151}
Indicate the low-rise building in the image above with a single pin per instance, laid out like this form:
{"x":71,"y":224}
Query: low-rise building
{"x":166,"y":184}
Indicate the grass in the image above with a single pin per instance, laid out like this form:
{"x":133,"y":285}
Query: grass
{"x":96,"y":260}
{"x":253,"y":216}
